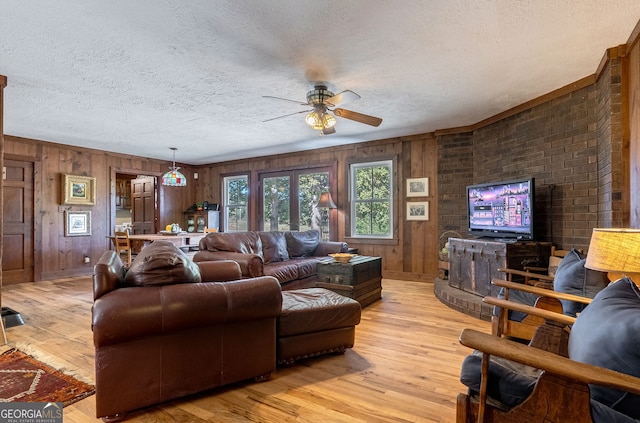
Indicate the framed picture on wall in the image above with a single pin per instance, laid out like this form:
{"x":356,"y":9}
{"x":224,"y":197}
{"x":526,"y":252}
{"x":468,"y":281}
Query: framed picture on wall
{"x":418,"y":210}
{"x":418,"y":187}
{"x":78,"y":190}
{"x":77,"y":223}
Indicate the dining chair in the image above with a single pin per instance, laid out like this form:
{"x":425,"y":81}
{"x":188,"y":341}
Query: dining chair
{"x":123,"y":246}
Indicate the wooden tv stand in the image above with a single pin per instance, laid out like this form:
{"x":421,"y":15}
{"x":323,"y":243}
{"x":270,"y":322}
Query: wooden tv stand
{"x":474,"y":262}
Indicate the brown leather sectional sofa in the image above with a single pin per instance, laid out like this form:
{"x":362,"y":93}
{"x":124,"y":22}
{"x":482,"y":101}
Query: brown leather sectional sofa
{"x":160,"y":333}
{"x":290,"y":257}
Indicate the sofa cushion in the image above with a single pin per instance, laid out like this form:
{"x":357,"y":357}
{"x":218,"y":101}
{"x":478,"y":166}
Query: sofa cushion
{"x":306,"y":267}
{"x":573,"y":278}
{"x":237,"y":242}
{"x":274,"y":246}
{"x":283,"y":271}
{"x":312,"y":310}
{"x":162,"y":263}
{"x":302,"y":244}
{"x":607,"y":334}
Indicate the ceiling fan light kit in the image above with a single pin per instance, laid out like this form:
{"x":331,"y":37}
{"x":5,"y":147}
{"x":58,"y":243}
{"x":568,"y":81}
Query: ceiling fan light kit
{"x":320,"y":120}
{"x":322,"y":100}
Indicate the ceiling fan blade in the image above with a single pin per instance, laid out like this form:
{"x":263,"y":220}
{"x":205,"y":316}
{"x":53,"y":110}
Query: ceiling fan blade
{"x":329,"y":131}
{"x":286,"y":99}
{"x":342,"y":97}
{"x":290,"y":114}
{"x":358,"y":117}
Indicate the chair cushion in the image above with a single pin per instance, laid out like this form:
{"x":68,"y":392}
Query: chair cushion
{"x":302,"y":244}
{"x":607,"y":334}
{"x":573,"y":278}
{"x":162,"y":263}
{"x":274,"y":247}
{"x":509,"y":382}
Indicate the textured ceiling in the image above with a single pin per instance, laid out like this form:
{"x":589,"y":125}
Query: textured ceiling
{"x":138,"y":77}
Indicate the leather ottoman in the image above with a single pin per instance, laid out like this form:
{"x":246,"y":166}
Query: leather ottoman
{"x":315,"y":321}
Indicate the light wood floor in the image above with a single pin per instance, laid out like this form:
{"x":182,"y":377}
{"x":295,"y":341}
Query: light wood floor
{"x":404,"y":366}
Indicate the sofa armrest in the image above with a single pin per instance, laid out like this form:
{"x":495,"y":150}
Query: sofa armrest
{"x":252,"y":265}
{"x":107,"y":274}
{"x":219,"y":271}
{"x":329,"y":247}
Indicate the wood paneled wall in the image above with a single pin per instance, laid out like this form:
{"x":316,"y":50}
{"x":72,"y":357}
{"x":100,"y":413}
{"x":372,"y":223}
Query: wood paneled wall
{"x":58,"y":256}
{"x":412,"y":254}
{"x":633,"y":101}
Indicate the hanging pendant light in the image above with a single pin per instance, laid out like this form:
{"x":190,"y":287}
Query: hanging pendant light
{"x":174,"y":178}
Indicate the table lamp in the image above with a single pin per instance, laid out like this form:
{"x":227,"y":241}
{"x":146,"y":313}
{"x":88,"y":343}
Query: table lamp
{"x":325,"y":202}
{"x":616,"y":251}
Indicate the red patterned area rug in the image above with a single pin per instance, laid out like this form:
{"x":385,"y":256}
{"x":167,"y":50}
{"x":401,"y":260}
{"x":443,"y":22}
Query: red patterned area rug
{"x":25,"y":379}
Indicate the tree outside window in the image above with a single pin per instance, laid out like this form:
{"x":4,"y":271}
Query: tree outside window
{"x":290,"y":199}
{"x":372,"y":199}
{"x":236,"y":202}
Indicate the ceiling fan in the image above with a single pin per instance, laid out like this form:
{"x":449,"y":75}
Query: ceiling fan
{"x":324,"y":101}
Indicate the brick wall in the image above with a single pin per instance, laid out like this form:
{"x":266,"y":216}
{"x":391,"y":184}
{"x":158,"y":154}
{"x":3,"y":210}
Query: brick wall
{"x":565,"y":143}
{"x":609,"y":129}
{"x":455,"y":172}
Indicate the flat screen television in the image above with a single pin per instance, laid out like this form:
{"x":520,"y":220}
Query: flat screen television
{"x":502,"y":210}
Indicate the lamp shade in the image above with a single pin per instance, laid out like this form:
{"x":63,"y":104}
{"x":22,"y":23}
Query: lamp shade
{"x":174,"y":178}
{"x":326,"y":201}
{"x":615,"y":250}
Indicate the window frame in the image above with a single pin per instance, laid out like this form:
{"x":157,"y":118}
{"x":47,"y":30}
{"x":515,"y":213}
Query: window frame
{"x":225,"y":204}
{"x":351,"y":167}
{"x":293,"y":174}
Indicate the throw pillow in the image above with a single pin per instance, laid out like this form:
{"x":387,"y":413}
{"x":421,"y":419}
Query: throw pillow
{"x":302,"y":244}
{"x":573,"y":278}
{"x":607,"y":334}
{"x":274,"y":247}
{"x":161,"y":263}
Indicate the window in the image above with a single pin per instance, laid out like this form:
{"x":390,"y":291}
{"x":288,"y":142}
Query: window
{"x":290,"y":198}
{"x":236,"y":202}
{"x":371,"y":199}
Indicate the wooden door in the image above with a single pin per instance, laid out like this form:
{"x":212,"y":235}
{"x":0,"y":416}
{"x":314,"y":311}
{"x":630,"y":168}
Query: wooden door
{"x":17,"y":238}
{"x":143,"y":205}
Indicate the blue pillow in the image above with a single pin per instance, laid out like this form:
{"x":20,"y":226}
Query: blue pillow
{"x":607,"y":334}
{"x":573,"y":278}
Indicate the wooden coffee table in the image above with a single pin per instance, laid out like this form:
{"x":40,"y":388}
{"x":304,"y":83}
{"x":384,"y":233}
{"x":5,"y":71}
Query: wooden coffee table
{"x":360,"y":279}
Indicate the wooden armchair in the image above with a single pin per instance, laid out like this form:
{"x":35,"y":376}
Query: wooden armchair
{"x":568,"y":291}
{"x":548,"y":300}
{"x":561,"y":393}
{"x":566,"y":390}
